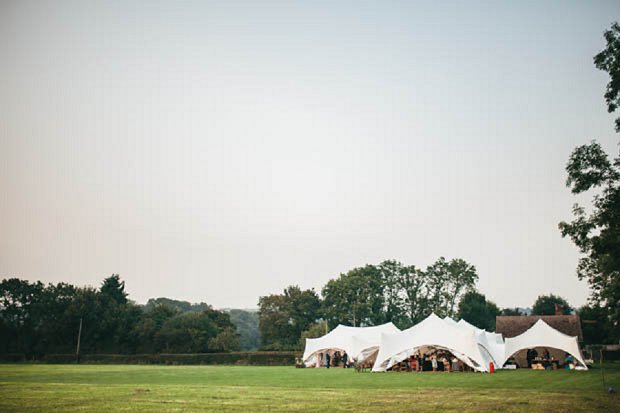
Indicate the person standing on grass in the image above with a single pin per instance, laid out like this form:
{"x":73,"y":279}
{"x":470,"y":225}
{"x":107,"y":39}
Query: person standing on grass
{"x":434,"y":362}
{"x":328,"y":359}
{"x":344,"y":359}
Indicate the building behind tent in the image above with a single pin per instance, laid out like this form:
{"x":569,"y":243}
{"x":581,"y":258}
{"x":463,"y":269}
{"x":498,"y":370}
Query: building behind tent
{"x":512,"y":326}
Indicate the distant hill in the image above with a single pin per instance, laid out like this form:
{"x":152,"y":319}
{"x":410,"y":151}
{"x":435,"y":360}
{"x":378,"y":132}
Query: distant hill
{"x":245,"y":320}
{"x":247,"y":327}
{"x":183,"y":306}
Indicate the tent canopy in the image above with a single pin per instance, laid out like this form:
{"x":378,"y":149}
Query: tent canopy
{"x":353,"y":340}
{"x":431,"y":332}
{"x":542,"y":334}
{"x":493,"y":347}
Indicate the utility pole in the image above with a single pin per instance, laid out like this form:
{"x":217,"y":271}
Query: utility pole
{"x":77,"y":350}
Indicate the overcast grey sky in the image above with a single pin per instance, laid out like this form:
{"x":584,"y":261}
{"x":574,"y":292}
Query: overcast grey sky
{"x":219,"y":151}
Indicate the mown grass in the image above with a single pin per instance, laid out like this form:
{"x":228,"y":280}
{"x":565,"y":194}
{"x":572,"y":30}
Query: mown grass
{"x":86,"y":388}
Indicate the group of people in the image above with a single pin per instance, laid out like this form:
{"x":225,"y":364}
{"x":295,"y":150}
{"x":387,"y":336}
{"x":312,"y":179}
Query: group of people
{"x":547,"y":361}
{"x":436,"y":361}
{"x":534,"y":361}
{"x":338,"y":359}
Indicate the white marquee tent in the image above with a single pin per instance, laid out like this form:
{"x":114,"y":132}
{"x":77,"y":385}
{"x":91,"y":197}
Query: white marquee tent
{"x":542,"y":334}
{"x":431,"y":332}
{"x":358,"y":342}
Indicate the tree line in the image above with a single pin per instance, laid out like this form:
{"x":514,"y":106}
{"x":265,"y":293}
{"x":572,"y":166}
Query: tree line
{"x":365,"y":296}
{"x":387,"y":292}
{"x":37,"y":319}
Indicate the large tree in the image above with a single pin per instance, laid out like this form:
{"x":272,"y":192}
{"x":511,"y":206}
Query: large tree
{"x":594,"y":324}
{"x":354,"y":298}
{"x":186,"y":333}
{"x":20,"y":312}
{"x":394,"y":292}
{"x":477,"y":310}
{"x":415,"y":292}
{"x":462,"y":278}
{"x":283,"y":317}
{"x":392,"y":272}
{"x":546,"y":305}
{"x":597,"y":232}
{"x":114,"y":289}
{"x":447,"y":282}
{"x":608,"y":60}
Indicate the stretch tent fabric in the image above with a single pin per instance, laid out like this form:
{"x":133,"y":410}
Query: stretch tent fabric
{"x":358,"y":342}
{"x":493,"y":346}
{"x":431,"y":332}
{"x":542,"y":334}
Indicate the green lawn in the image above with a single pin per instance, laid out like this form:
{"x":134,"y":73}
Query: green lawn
{"x":43,"y":388}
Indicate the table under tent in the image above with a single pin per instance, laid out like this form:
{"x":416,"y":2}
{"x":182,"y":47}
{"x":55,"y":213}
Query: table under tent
{"x":359,"y":343}
{"x":437,"y":336}
{"x":553,"y":349}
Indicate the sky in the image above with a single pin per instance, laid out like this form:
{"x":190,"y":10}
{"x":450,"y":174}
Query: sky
{"x":221,"y":151}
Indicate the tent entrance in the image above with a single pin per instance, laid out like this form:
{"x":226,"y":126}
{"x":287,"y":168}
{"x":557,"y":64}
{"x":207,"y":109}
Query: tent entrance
{"x":319,"y":358}
{"x":420,"y":359}
{"x":542,"y":358}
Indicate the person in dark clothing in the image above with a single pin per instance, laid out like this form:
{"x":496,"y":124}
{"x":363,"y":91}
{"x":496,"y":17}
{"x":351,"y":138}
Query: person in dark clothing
{"x":546,"y":359}
{"x":345,"y":360}
{"x":529,"y":358}
{"x":328,"y":359}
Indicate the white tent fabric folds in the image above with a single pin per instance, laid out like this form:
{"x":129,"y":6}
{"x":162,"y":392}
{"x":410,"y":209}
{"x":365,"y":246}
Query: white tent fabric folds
{"x":358,"y":342}
{"x":431,"y":332}
{"x":542,"y":334}
{"x":492,"y":344}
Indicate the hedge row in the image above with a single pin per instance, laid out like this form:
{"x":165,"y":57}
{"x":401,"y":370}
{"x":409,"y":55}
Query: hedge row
{"x":12,"y":358}
{"x":260,"y":358}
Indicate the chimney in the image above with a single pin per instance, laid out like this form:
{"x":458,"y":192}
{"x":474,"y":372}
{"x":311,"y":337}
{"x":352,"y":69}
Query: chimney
{"x":559,"y":310}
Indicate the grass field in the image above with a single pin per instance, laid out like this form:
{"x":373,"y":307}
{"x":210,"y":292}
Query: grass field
{"x":69,"y":388}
